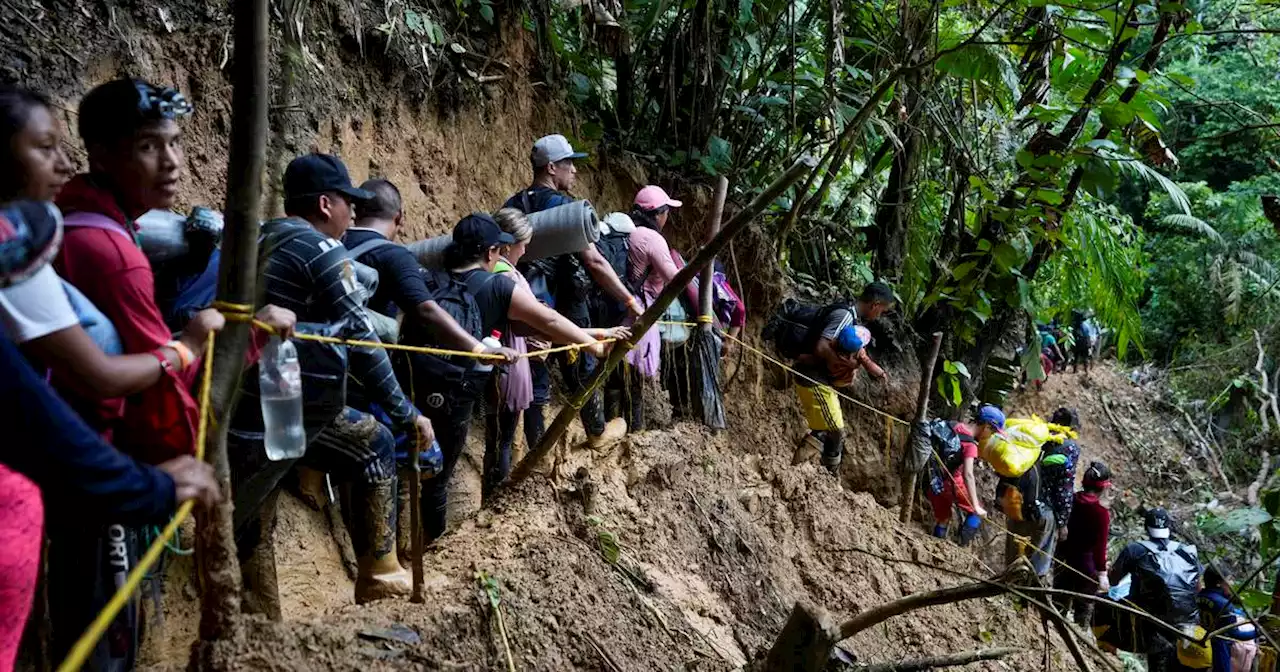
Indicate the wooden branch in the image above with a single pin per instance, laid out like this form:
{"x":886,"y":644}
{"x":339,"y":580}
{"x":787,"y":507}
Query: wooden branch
{"x":1251,"y":495}
{"x":1211,"y":455}
{"x":949,"y":660}
{"x":1268,"y":402}
{"x":237,"y":276}
{"x":911,"y":470}
{"x":705,"y":288}
{"x":933,"y":598}
{"x":675,"y":287}
{"x":805,"y":643}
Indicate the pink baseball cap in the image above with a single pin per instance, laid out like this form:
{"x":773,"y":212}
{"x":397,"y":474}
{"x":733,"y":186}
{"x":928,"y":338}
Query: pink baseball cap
{"x":653,"y":197}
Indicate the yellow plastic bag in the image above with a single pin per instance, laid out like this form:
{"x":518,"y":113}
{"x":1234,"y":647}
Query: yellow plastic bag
{"x":1008,"y":457}
{"x":1193,"y":655}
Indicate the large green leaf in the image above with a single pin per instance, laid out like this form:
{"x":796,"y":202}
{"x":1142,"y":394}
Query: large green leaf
{"x":1235,"y":521}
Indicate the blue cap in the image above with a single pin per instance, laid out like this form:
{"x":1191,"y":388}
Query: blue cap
{"x":990,"y":415}
{"x":853,"y":338}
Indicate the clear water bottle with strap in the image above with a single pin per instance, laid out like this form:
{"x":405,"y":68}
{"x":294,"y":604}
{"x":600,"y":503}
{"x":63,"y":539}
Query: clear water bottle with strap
{"x":280,"y":387}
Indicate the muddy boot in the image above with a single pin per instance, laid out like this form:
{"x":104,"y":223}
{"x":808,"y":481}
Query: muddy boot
{"x":380,"y":574}
{"x":260,"y":590}
{"x":614,"y":431}
{"x":833,"y":450}
{"x":311,"y":487}
{"x":809,"y":447}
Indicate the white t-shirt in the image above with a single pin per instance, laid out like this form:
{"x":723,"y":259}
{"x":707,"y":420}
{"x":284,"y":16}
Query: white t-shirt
{"x":37,"y":307}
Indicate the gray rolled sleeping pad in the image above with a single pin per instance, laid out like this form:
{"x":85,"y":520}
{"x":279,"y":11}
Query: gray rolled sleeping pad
{"x":563,"y":229}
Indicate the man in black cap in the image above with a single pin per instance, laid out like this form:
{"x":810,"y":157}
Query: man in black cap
{"x":1166,"y":580}
{"x":308,"y":270}
{"x":566,"y":280}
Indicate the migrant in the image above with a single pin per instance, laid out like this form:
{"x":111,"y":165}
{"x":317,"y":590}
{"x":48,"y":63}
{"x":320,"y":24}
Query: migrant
{"x":564,"y":283}
{"x":447,"y":389}
{"x":1083,"y":552}
{"x":57,"y":463}
{"x":308,"y":271}
{"x":133,"y":140}
{"x":828,"y":346}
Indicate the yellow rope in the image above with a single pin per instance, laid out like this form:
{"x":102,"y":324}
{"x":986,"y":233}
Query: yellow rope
{"x":236,"y":312}
{"x":83,"y":647}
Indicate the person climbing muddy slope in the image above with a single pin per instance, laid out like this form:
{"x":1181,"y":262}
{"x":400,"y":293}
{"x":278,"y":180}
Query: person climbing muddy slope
{"x":309,"y":271}
{"x":950,"y":480}
{"x":829,"y":347}
{"x":1084,"y":550}
{"x":565,"y":282}
{"x":448,"y":392}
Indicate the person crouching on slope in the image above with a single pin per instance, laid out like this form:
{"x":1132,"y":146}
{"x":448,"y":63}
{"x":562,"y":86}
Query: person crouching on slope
{"x":840,"y":351}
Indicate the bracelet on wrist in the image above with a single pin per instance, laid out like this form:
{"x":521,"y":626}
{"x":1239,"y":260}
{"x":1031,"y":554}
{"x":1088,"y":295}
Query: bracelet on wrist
{"x":185,"y":356}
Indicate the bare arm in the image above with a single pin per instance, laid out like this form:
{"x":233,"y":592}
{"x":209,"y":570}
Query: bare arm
{"x":527,"y":309}
{"x":971,"y":484}
{"x":81,"y":364}
{"x":604,"y":276}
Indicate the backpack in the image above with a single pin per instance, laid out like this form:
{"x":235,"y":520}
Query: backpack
{"x":945,"y":438}
{"x":615,"y":247}
{"x":1169,"y":581}
{"x":1020,"y":496}
{"x":796,"y":327}
{"x":457,"y":298}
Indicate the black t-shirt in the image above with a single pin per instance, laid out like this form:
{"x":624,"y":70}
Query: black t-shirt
{"x":492,"y":292}
{"x":400,"y":277}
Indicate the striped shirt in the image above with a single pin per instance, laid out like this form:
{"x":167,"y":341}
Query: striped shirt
{"x":312,"y":275}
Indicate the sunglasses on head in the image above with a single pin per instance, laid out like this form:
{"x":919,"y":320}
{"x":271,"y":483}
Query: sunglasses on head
{"x":161,"y":103}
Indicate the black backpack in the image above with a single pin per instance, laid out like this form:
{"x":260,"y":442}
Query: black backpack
{"x":455,"y":298}
{"x":796,"y":327}
{"x":946,"y":438}
{"x":615,"y":247}
{"x":1167,"y":581}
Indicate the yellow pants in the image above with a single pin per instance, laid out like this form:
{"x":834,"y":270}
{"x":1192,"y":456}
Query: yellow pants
{"x":821,"y":407}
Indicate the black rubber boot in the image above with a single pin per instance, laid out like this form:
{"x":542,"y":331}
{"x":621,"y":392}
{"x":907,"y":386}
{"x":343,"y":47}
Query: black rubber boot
{"x":832,"y":450}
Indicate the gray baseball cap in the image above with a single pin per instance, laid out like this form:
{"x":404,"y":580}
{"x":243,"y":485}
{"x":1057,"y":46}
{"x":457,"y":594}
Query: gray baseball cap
{"x":553,"y":148}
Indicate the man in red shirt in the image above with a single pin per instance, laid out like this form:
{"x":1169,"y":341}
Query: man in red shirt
{"x":130,"y":130}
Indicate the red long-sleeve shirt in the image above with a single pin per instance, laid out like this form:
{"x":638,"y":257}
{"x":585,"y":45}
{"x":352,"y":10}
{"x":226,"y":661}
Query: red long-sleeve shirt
{"x":1087,"y":533}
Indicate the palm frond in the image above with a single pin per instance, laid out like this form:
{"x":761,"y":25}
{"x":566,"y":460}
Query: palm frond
{"x":1151,"y":176}
{"x":1191,"y":225}
{"x":1257,"y":265}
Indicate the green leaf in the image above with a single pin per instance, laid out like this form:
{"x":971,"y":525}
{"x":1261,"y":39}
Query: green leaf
{"x":486,"y":11}
{"x":950,"y":367}
{"x":961,"y":271}
{"x":956,"y":397}
{"x":960,"y":368}
{"x":1007,"y":256}
{"x":1255,"y":600}
{"x":744,"y":12}
{"x":1235,"y":521}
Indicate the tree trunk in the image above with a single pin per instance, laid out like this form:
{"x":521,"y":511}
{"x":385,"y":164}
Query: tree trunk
{"x":236,"y":281}
{"x":805,"y":643}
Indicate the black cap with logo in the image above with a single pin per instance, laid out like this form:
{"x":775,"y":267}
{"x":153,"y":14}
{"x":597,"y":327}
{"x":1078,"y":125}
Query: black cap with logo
{"x":315,"y":174}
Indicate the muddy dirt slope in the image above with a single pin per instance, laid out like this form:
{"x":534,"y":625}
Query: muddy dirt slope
{"x":716,"y":537}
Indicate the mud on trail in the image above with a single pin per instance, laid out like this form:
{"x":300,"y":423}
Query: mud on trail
{"x":717,"y":536}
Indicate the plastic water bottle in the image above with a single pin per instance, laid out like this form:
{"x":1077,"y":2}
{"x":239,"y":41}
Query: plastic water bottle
{"x":493,"y":340}
{"x":280,"y":386}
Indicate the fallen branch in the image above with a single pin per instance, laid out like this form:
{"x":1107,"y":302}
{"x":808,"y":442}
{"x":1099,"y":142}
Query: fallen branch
{"x":1124,"y":439}
{"x":1211,"y":455}
{"x":1251,"y":495}
{"x":949,"y":660}
{"x":933,"y":598}
{"x":1268,"y":401}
